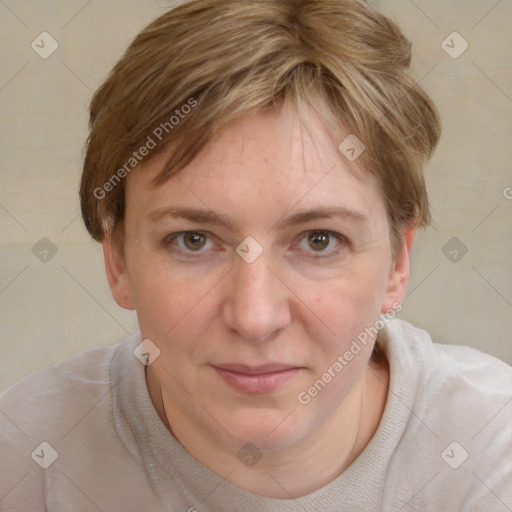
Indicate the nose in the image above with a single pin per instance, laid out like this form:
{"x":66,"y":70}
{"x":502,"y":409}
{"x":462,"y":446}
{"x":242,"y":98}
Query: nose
{"x":256,"y":305}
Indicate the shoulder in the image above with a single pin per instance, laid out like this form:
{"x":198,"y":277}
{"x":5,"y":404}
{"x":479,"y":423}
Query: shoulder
{"x":442,"y":363}
{"x":39,"y":416}
{"x":459,"y":425}
{"x":43,"y":393}
{"x":449,"y":379}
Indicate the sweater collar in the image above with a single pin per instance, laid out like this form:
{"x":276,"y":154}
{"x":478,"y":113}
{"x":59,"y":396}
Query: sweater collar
{"x":170,"y":467}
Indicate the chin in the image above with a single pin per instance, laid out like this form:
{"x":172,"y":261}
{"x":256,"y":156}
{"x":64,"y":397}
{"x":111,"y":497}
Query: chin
{"x":266,"y":429}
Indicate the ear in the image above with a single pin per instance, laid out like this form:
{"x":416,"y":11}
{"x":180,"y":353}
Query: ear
{"x":398,"y":279}
{"x":117,"y":275}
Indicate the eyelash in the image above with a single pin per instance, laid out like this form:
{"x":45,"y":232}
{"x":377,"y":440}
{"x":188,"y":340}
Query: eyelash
{"x":343,"y":242}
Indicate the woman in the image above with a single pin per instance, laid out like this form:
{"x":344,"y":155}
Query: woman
{"x":254,"y":174}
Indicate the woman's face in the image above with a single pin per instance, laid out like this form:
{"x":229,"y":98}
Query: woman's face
{"x":252,"y":271}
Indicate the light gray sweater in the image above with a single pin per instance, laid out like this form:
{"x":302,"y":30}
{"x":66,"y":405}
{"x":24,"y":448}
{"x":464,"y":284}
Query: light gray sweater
{"x":84,"y":436}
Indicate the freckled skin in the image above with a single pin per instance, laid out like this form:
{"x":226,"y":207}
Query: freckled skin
{"x":289,"y":306}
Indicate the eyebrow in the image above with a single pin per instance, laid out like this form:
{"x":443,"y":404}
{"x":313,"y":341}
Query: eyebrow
{"x":205,"y":216}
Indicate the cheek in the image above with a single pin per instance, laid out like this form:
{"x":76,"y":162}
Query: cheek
{"x":349,"y":306}
{"x":166,"y":300}
{"x":350,"y":302}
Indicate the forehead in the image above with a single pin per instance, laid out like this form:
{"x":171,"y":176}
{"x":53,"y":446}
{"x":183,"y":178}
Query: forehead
{"x":263,"y":162}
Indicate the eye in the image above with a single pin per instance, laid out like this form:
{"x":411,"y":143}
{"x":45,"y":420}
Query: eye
{"x":322,"y":242}
{"x":190,"y":241}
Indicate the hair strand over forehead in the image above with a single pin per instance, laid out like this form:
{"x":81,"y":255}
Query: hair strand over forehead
{"x":230,"y":58}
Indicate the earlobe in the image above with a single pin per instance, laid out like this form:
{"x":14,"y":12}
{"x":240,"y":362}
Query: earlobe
{"x":398,"y":279}
{"x":117,"y":275}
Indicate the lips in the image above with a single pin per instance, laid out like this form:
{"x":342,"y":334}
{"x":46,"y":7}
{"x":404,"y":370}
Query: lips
{"x":257,"y":379}
{"x":255,"y":370}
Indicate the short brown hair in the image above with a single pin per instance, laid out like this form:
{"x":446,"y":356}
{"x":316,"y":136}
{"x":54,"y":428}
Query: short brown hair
{"x":227,"y":58}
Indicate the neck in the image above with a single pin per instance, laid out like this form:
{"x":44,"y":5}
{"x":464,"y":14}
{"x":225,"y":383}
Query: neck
{"x":308,"y":464}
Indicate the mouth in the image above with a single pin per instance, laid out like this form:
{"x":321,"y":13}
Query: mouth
{"x":257,"y":379}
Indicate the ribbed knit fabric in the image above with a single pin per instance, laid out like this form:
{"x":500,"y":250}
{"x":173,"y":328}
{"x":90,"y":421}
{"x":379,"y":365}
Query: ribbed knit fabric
{"x":444,"y":442}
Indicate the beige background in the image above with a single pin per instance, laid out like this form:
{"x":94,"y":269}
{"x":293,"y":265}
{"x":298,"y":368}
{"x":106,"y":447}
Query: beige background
{"x":49,"y":310}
